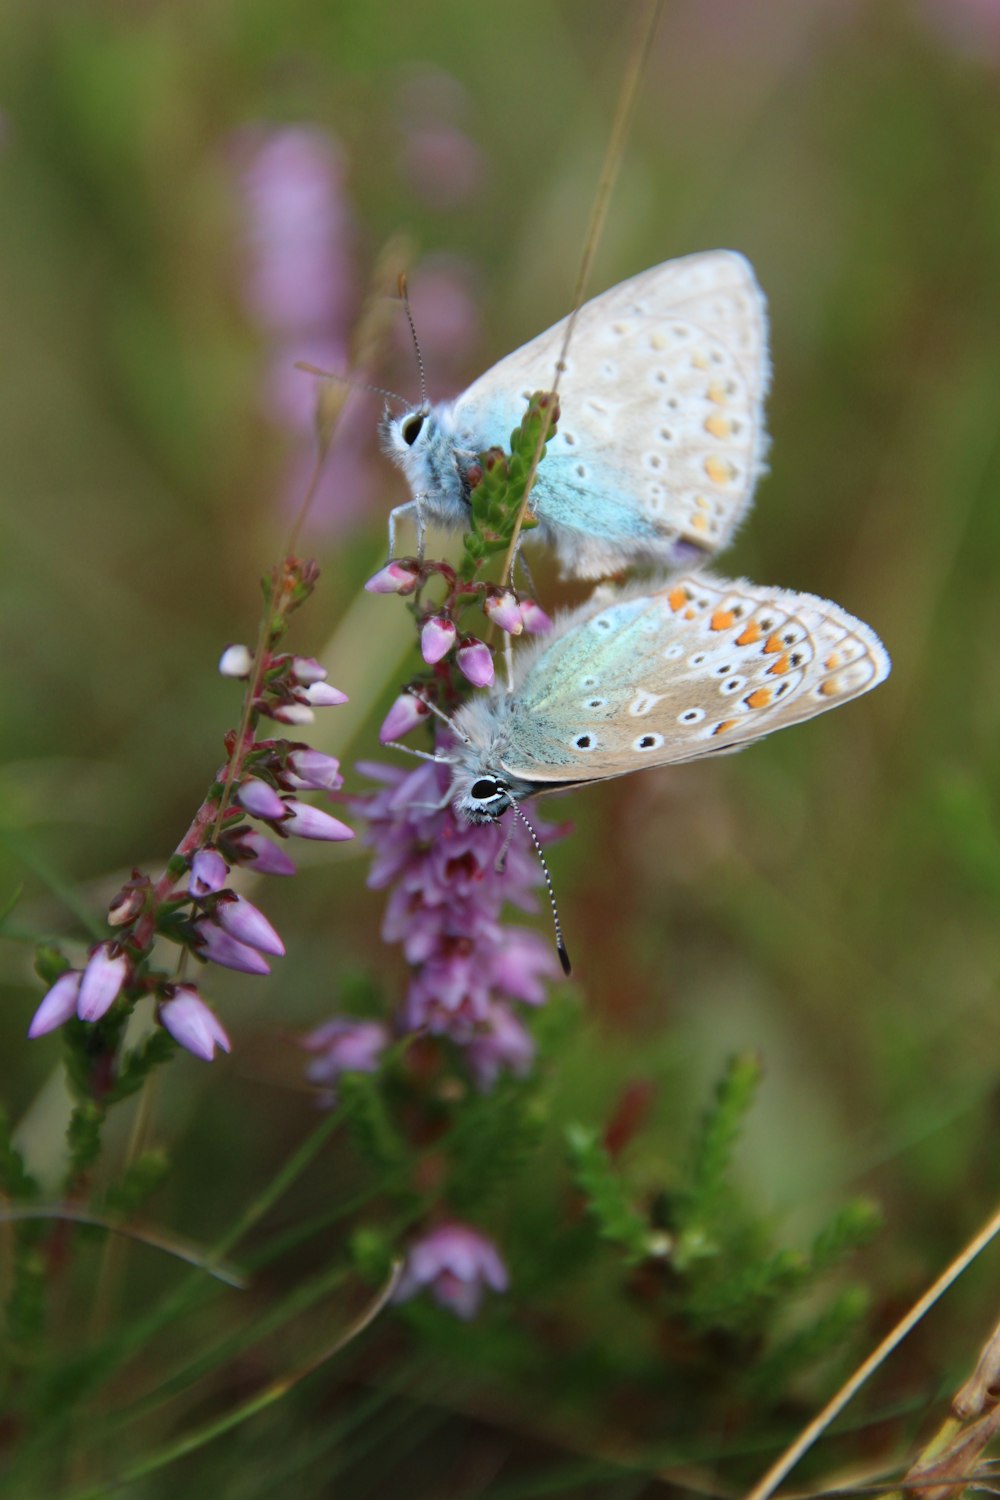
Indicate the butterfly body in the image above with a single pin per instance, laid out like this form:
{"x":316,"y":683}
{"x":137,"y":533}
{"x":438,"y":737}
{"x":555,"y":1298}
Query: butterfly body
{"x":696,"y":666}
{"x":661,"y":437}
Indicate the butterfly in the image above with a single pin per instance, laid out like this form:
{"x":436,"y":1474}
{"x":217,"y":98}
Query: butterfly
{"x":661,"y":438}
{"x":695,"y":667}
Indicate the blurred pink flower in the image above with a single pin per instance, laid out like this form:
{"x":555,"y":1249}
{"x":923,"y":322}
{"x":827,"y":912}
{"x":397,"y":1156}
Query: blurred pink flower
{"x":456,"y":1264}
{"x":970,"y":26}
{"x":441,"y":164}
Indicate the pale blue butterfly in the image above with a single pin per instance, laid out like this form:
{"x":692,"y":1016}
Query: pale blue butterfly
{"x":661,"y":439}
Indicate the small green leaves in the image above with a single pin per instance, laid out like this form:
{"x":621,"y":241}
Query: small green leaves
{"x":496,"y":501}
{"x":607,"y":1200}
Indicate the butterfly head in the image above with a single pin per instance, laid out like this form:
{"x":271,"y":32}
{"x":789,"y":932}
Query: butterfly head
{"x":482,"y":798}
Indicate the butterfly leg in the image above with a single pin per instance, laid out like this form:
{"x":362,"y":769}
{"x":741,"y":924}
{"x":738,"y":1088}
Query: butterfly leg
{"x":416,"y":506}
{"x":440,"y":760}
{"x":508,"y":659}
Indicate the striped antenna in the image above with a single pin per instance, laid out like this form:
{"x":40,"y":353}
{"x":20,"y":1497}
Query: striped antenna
{"x":405,"y":299}
{"x":355,"y":385}
{"x":560,"y":945}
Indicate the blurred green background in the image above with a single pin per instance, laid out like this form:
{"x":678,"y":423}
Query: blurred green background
{"x":828,"y":898}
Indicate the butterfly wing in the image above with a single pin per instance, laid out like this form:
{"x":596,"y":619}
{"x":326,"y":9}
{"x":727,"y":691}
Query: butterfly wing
{"x":699,"y":666}
{"x":662,"y":437}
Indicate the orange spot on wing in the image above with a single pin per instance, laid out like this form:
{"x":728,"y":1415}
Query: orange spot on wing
{"x":772,"y":644}
{"x":699,"y":522}
{"x":750,"y":635}
{"x":689,"y":614}
{"x":717,"y":426}
{"x":781,"y":665}
{"x":759,"y":698}
{"x":716,"y":393}
{"x":722,"y":619}
{"x":718,"y":471}
{"x":832,"y":662}
{"x":830,"y":687}
{"x":677,"y":598}
{"x":726,"y":724}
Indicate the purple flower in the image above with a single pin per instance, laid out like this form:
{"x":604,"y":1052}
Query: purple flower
{"x":242,"y":921}
{"x":102,"y":980}
{"x":501,"y":1043}
{"x":342,"y":1045}
{"x":475,"y":661}
{"x":405,"y":714}
{"x":192,"y":1024}
{"x":58,"y":1005}
{"x":314,"y":771}
{"x":307,"y":822}
{"x":307,"y":670}
{"x":456,"y":1264}
{"x":252,"y":848}
{"x":394,"y":578}
{"x":219,"y":948}
{"x":209,"y":873}
{"x":534,"y":618}
{"x":504,"y":610}
{"x":260,"y":800}
{"x":437,"y":637}
{"x":445,"y":907}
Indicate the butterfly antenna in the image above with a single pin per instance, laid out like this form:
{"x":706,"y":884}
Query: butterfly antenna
{"x":440,"y":713}
{"x":560,"y":945}
{"x":405,"y":298}
{"x":355,"y":385}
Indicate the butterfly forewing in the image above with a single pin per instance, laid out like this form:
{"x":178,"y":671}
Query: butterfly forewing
{"x":694,"y":668}
{"x":662,"y":431}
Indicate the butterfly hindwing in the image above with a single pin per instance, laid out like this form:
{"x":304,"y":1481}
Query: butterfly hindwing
{"x":696,"y":667}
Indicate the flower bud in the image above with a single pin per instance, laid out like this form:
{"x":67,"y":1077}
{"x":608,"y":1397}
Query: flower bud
{"x":314,"y":770}
{"x":253,"y":849}
{"x":236,"y":661}
{"x":127,"y":904}
{"x":217,"y":947}
{"x":322,"y":695}
{"x":394,"y":578}
{"x":536,"y":621}
{"x":504,"y":610}
{"x":437,"y":638}
{"x":307,"y":822}
{"x":192,"y":1024}
{"x":405,"y":714}
{"x":306,"y":669}
{"x":291,"y":713}
{"x":260,"y":800}
{"x":209,"y":873}
{"x":102,"y":980}
{"x":241,"y":919}
{"x":58,"y":1005}
{"x":475,"y":661}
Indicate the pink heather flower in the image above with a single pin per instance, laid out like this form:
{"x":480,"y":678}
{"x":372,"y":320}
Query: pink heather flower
{"x":456,"y":1264}
{"x":58,"y":1005}
{"x":442,"y":164}
{"x":307,"y":670}
{"x":266,"y":858}
{"x":504,"y":610}
{"x":437,"y":637}
{"x":405,"y":714}
{"x":501,"y":1043}
{"x":307,"y":822}
{"x":292,"y":713}
{"x":534,"y":618}
{"x":475,"y":661}
{"x":236,"y":661}
{"x":446,"y":901}
{"x":342,"y":1045}
{"x":101,"y":984}
{"x":241,"y":919}
{"x":192,"y":1024}
{"x":209,"y":873}
{"x":394,"y":578}
{"x":313,"y":771}
{"x":217,"y":947}
{"x":260,"y":800}
{"x":322,"y":695}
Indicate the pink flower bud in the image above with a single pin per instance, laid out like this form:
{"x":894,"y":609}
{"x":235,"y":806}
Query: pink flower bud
{"x":504,"y":610}
{"x":241,"y":919}
{"x":475,"y":661}
{"x":260,"y":800}
{"x":394,"y":578}
{"x":307,"y":822}
{"x":536,"y":621}
{"x":102,"y":980}
{"x":437,"y":638}
{"x":306,"y":669}
{"x":314,"y":770}
{"x":192,"y":1024}
{"x":236,"y":661}
{"x":252,"y":848}
{"x":322,"y":695}
{"x":209,"y":873}
{"x":292,"y":713}
{"x":405,"y":714}
{"x":58,"y":1006}
{"x":219,"y":948}
{"x":127,"y":905}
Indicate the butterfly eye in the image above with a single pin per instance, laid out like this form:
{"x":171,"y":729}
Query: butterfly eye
{"x":411,"y":428}
{"x":483,"y":790}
